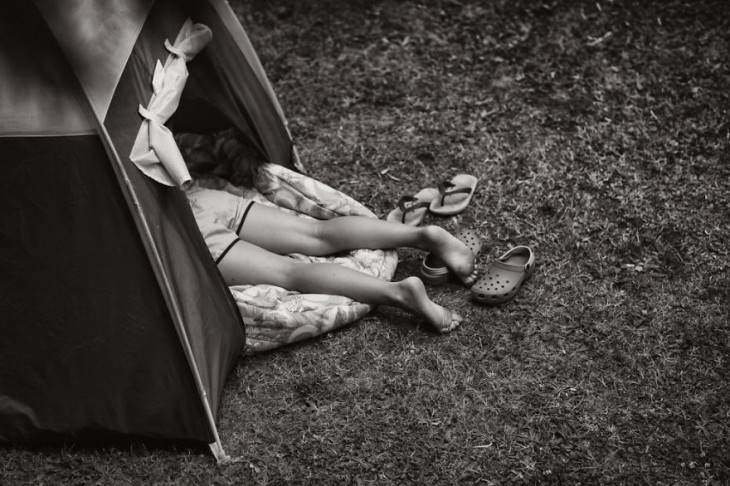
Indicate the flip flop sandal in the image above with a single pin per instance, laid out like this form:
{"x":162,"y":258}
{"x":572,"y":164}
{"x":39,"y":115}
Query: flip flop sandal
{"x":435,"y":272}
{"x":504,"y":277}
{"x":412,"y":209}
{"x":455,"y":195}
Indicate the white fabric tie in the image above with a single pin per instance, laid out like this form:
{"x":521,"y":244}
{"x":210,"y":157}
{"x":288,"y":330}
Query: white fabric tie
{"x":155,"y":151}
{"x":177,"y":52}
{"x":148,"y":115}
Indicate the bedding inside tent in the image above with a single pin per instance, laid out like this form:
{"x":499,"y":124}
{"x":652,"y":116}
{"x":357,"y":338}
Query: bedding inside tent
{"x":275,"y":316}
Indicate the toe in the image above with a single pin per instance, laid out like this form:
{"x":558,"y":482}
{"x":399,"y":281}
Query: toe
{"x":451,"y":321}
{"x":471,"y":279}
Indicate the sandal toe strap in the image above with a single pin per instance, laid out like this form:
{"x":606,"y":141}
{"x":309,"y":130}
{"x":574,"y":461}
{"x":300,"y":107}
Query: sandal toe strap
{"x":409,"y":204}
{"x":444,"y":190}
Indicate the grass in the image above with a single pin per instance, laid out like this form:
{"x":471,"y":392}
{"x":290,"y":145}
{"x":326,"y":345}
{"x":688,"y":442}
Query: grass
{"x":600,"y":135}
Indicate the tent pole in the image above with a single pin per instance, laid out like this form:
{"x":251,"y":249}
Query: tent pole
{"x":216,"y":446}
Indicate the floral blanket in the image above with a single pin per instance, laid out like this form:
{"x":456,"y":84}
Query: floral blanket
{"x":275,"y":316}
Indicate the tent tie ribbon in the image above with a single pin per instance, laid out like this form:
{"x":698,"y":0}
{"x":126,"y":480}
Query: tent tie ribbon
{"x":148,"y":115}
{"x":154,"y":151}
{"x":177,"y":51}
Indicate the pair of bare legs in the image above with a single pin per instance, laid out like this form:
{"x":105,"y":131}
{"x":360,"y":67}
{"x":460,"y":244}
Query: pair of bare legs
{"x":269,"y":233}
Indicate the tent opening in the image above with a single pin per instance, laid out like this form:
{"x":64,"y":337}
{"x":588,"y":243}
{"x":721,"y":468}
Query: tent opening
{"x":212,"y":145}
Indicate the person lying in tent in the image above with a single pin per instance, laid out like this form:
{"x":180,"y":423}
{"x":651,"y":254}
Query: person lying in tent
{"x":249,"y":242}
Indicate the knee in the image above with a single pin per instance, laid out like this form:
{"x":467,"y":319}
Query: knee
{"x":285,"y":273}
{"x":320,"y":237}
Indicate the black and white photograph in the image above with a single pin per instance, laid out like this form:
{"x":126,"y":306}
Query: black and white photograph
{"x":365,"y":242}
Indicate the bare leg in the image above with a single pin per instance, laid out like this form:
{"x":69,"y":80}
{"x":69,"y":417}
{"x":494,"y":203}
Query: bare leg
{"x":248,"y":264}
{"x":283,"y":233}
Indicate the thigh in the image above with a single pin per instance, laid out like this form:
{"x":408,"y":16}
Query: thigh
{"x":279,"y":232}
{"x":248,"y":264}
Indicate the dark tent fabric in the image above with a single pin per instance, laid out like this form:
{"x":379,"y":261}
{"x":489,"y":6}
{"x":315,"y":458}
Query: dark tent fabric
{"x":114,"y":320}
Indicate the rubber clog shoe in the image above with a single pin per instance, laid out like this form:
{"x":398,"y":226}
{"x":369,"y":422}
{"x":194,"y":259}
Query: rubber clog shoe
{"x":434,"y":270}
{"x":504,"y":277}
{"x":454,"y":195}
{"x":412,"y":210}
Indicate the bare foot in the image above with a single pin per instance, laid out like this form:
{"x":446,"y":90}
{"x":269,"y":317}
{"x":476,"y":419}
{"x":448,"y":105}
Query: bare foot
{"x":414,"y":298}
{"x":454,"y":253}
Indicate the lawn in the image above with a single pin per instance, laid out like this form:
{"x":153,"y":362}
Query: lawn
{"x":600,"y":133}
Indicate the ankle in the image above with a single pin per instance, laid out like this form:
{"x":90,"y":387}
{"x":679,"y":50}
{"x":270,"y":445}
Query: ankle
{"x":400,"y":295}
{"x":429,"y":237}
{"x":409,"y":293}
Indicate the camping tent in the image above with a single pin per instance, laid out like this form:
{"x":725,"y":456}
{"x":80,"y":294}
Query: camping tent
{"x":114,"y":321}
